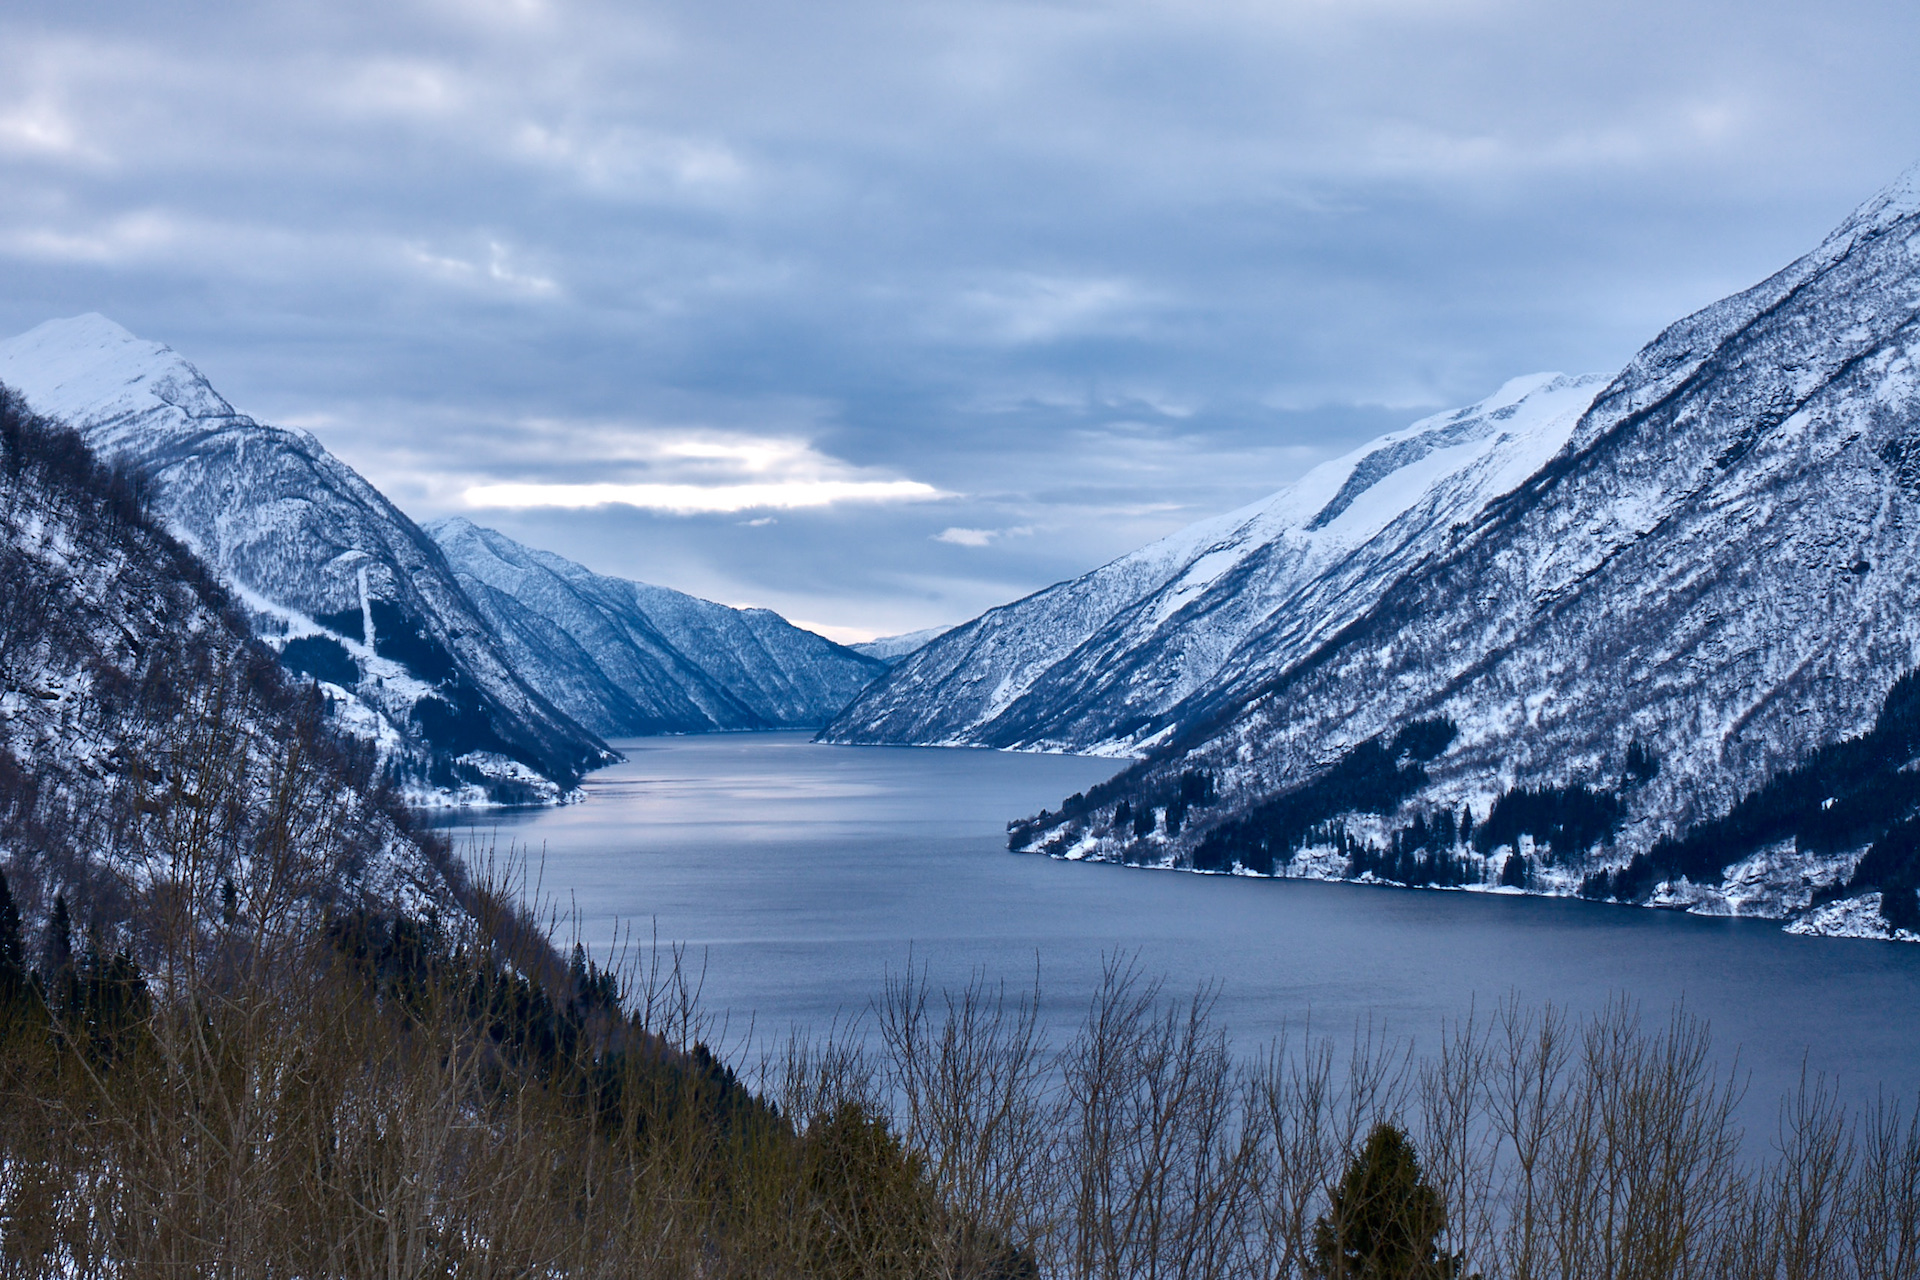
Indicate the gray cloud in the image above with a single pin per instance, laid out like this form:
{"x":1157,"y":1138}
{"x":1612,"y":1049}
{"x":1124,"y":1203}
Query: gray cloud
{"x":1086,"y":269}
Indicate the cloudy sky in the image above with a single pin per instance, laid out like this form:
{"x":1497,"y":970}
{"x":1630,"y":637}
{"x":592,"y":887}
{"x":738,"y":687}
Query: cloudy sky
{"x":879,"y":313}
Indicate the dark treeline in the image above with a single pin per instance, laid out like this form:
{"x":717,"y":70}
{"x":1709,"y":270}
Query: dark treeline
{"x":1853,"y":793}
{"x":1437,"y":847}
{"x":1568,"y":820}
{"x":1440,"y":847}
{"x":1412,"y":865}
{"x":1144,"y":811}
{"x":1862,"y":793}
{"x":1374,"y":776}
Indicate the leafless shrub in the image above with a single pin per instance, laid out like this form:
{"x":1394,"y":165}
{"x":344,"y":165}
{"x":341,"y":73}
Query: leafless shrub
{"x":286,"y":1113}
{"x":1559,"y":1147}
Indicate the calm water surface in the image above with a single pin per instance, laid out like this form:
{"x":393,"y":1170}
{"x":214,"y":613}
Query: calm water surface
{"x":805,"y":874}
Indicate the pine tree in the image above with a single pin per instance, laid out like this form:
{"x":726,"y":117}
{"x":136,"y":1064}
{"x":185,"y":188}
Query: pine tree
{"x":59,"y":939}
{"x":1384,"y":1220}
{"x":62,"y":984}
{"x":1899,"y":906}
{"x":13,"y":955}
{"x":1642,"y":764}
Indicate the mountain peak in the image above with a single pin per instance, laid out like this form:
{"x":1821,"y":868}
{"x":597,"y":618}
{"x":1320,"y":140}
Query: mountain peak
{"x":302,"y":538}
{"x":1514,"y":390}
{"x":90,"y":326}
{"x":87,"y":369}
{"x":1895,"y":202}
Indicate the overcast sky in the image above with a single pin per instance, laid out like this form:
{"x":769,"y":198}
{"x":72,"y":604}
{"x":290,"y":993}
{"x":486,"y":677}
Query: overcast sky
{"x":883,"y":313}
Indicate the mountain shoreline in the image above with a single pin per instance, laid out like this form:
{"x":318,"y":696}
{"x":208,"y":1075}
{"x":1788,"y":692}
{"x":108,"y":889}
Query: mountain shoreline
{"x":1668,"y":667}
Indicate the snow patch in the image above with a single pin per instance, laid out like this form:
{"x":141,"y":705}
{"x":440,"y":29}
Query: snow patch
{"x":1857,"y":917}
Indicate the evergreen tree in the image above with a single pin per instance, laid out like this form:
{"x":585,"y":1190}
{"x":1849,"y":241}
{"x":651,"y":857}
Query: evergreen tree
{"x":59,"y":946}
{"x":872,"y":1212}
{"x":1513,"y":872}
{"x":1899,"y":906}
{"x":1384,"y":1220}
{"x":61,"y":984}
{"x":1642,"y":764}
{"x":109,"y":1003}
{"x":13,"y":955}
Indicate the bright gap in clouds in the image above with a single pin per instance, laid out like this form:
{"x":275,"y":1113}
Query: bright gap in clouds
{"x":704,"y":475}
{"x":689,"y":499}
{"x":964,"y":537}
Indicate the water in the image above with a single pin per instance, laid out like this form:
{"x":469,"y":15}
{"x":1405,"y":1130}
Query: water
{"x":803,"y":875}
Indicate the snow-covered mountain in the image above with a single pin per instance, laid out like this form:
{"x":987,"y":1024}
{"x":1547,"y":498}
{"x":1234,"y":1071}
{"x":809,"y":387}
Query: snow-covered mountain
{"x":894,"y":650}
{"x":1708,"y":593}
{"x":331,"y":574}
{"x":1103,"y":662}
{"x":625,"y":658}
{"x":151,"y":755}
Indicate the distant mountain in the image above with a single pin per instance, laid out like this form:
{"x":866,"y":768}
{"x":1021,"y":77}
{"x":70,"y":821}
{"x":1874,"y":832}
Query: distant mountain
{"x":1107,"y":661}
{"x":152,"y":757}
{"x":894,"y":650}
{"x":625,"y":658}
{"x":1664,"y":669}
{"x":330,"y":573}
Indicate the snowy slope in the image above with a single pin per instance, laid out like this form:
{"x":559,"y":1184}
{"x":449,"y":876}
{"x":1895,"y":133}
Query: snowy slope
{"x":1718,"y":573}
{"x":1101,"y":662}
{"x":146,"y":740}
{"x":897,"y":649}
{"x":320,"y":558}
{"x":625,"y":658}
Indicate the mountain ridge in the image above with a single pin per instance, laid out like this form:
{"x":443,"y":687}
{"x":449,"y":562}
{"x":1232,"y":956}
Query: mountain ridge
{"x":1102,"y":662}
{"x":895,"y":649}
{"x":628,"y":658}
{"x":314,"y":552}
{"x":1713,"y":573}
